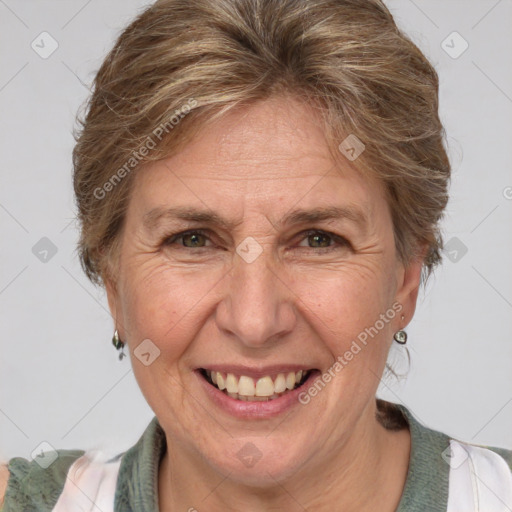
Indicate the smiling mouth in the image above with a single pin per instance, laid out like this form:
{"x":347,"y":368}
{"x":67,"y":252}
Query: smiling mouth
{"x":247,"y":389}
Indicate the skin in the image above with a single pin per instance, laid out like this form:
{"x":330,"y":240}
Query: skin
{"x":4,"y":477}
{"x":293,"y":304}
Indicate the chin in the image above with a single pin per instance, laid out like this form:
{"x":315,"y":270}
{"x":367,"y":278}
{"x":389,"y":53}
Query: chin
{"x":258,"y":461}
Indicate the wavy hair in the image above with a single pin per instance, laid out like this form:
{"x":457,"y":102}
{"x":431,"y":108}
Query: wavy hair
{"x":183,"y":63}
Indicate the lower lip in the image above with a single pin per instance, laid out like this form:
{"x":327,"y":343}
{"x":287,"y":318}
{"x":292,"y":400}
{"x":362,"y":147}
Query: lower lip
{"x":254,"y":410}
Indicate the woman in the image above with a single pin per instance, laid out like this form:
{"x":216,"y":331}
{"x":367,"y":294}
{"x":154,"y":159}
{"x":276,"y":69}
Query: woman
{"x":260,"y":186}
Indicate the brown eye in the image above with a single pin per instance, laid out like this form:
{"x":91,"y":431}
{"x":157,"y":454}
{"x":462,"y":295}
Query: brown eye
{"x":316,"y":239}
{"x":319,"y":240}
{"x":189,"y":239}
{"x":193,"y":240}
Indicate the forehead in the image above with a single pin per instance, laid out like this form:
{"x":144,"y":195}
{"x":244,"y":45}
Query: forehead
{"x":271,"y":156}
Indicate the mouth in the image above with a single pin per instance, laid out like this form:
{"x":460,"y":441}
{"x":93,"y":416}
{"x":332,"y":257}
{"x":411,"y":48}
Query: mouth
{"x":263,"y":389}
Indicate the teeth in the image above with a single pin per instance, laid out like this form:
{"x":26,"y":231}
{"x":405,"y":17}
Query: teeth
{"x":231,"y":383}
{"x":247,"y":389}
{"x":246,"y":386}
{"x":264,"y":386}
{"x":257,"y":398}
{"x":280,"y":383}
{"x":290,"y":380}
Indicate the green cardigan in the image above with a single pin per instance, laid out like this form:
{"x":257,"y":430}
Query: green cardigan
{"x":31,"y":488}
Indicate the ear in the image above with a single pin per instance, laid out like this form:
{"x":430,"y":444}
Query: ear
{"x":113,"y":302}
{"x":408,"y":284}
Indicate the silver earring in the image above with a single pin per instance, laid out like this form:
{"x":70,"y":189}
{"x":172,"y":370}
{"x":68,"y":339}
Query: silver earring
{"x":400,"y":336}
{"x":116,"y":341}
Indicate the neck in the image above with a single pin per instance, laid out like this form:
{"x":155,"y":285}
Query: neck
{"x":367,"y":472}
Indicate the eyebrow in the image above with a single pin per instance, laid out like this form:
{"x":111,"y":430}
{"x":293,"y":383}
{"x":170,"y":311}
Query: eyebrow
{"x":351,"y":213}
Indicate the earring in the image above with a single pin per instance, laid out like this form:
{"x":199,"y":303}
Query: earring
{"x":116,"y":341}
{"x":400,"y":336}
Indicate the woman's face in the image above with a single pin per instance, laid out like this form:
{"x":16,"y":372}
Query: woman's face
{"x":263,"y":284}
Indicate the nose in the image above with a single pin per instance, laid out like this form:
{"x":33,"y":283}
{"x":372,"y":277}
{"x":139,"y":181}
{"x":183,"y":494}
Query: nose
{"x":256,"y":308}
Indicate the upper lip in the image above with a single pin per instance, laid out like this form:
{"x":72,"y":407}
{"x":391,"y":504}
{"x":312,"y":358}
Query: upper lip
{"x":256,"y":371}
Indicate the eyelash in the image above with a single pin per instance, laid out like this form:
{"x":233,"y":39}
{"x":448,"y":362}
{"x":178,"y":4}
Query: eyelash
{"x":338,"y":240}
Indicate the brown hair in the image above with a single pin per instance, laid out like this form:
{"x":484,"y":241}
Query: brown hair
{"x":183,"y":63}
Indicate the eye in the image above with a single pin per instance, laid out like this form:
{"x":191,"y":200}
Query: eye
{"x":189,"y":239}
{"x":324,"y":240}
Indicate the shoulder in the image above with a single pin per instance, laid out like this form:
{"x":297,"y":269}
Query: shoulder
{"x":480,"y":477}
{"x":35,"y":484}
{"x":504,"y":453}
{"x":452,"y":475}
{"x":484,"y":457}
{"x":481,"y":457}
{"x":63,"y":480}
{"x":450,"y":450}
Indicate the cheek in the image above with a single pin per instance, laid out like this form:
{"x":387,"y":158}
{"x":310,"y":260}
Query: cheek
{"x":161,"y":303}
{"x":346,"y":305}
{"x":351,"y":315}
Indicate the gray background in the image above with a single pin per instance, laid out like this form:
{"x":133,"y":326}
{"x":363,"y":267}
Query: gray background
{"x":60,"y":379}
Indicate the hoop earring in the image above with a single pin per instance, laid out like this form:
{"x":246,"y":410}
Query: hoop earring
{"x":116,"y":341}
